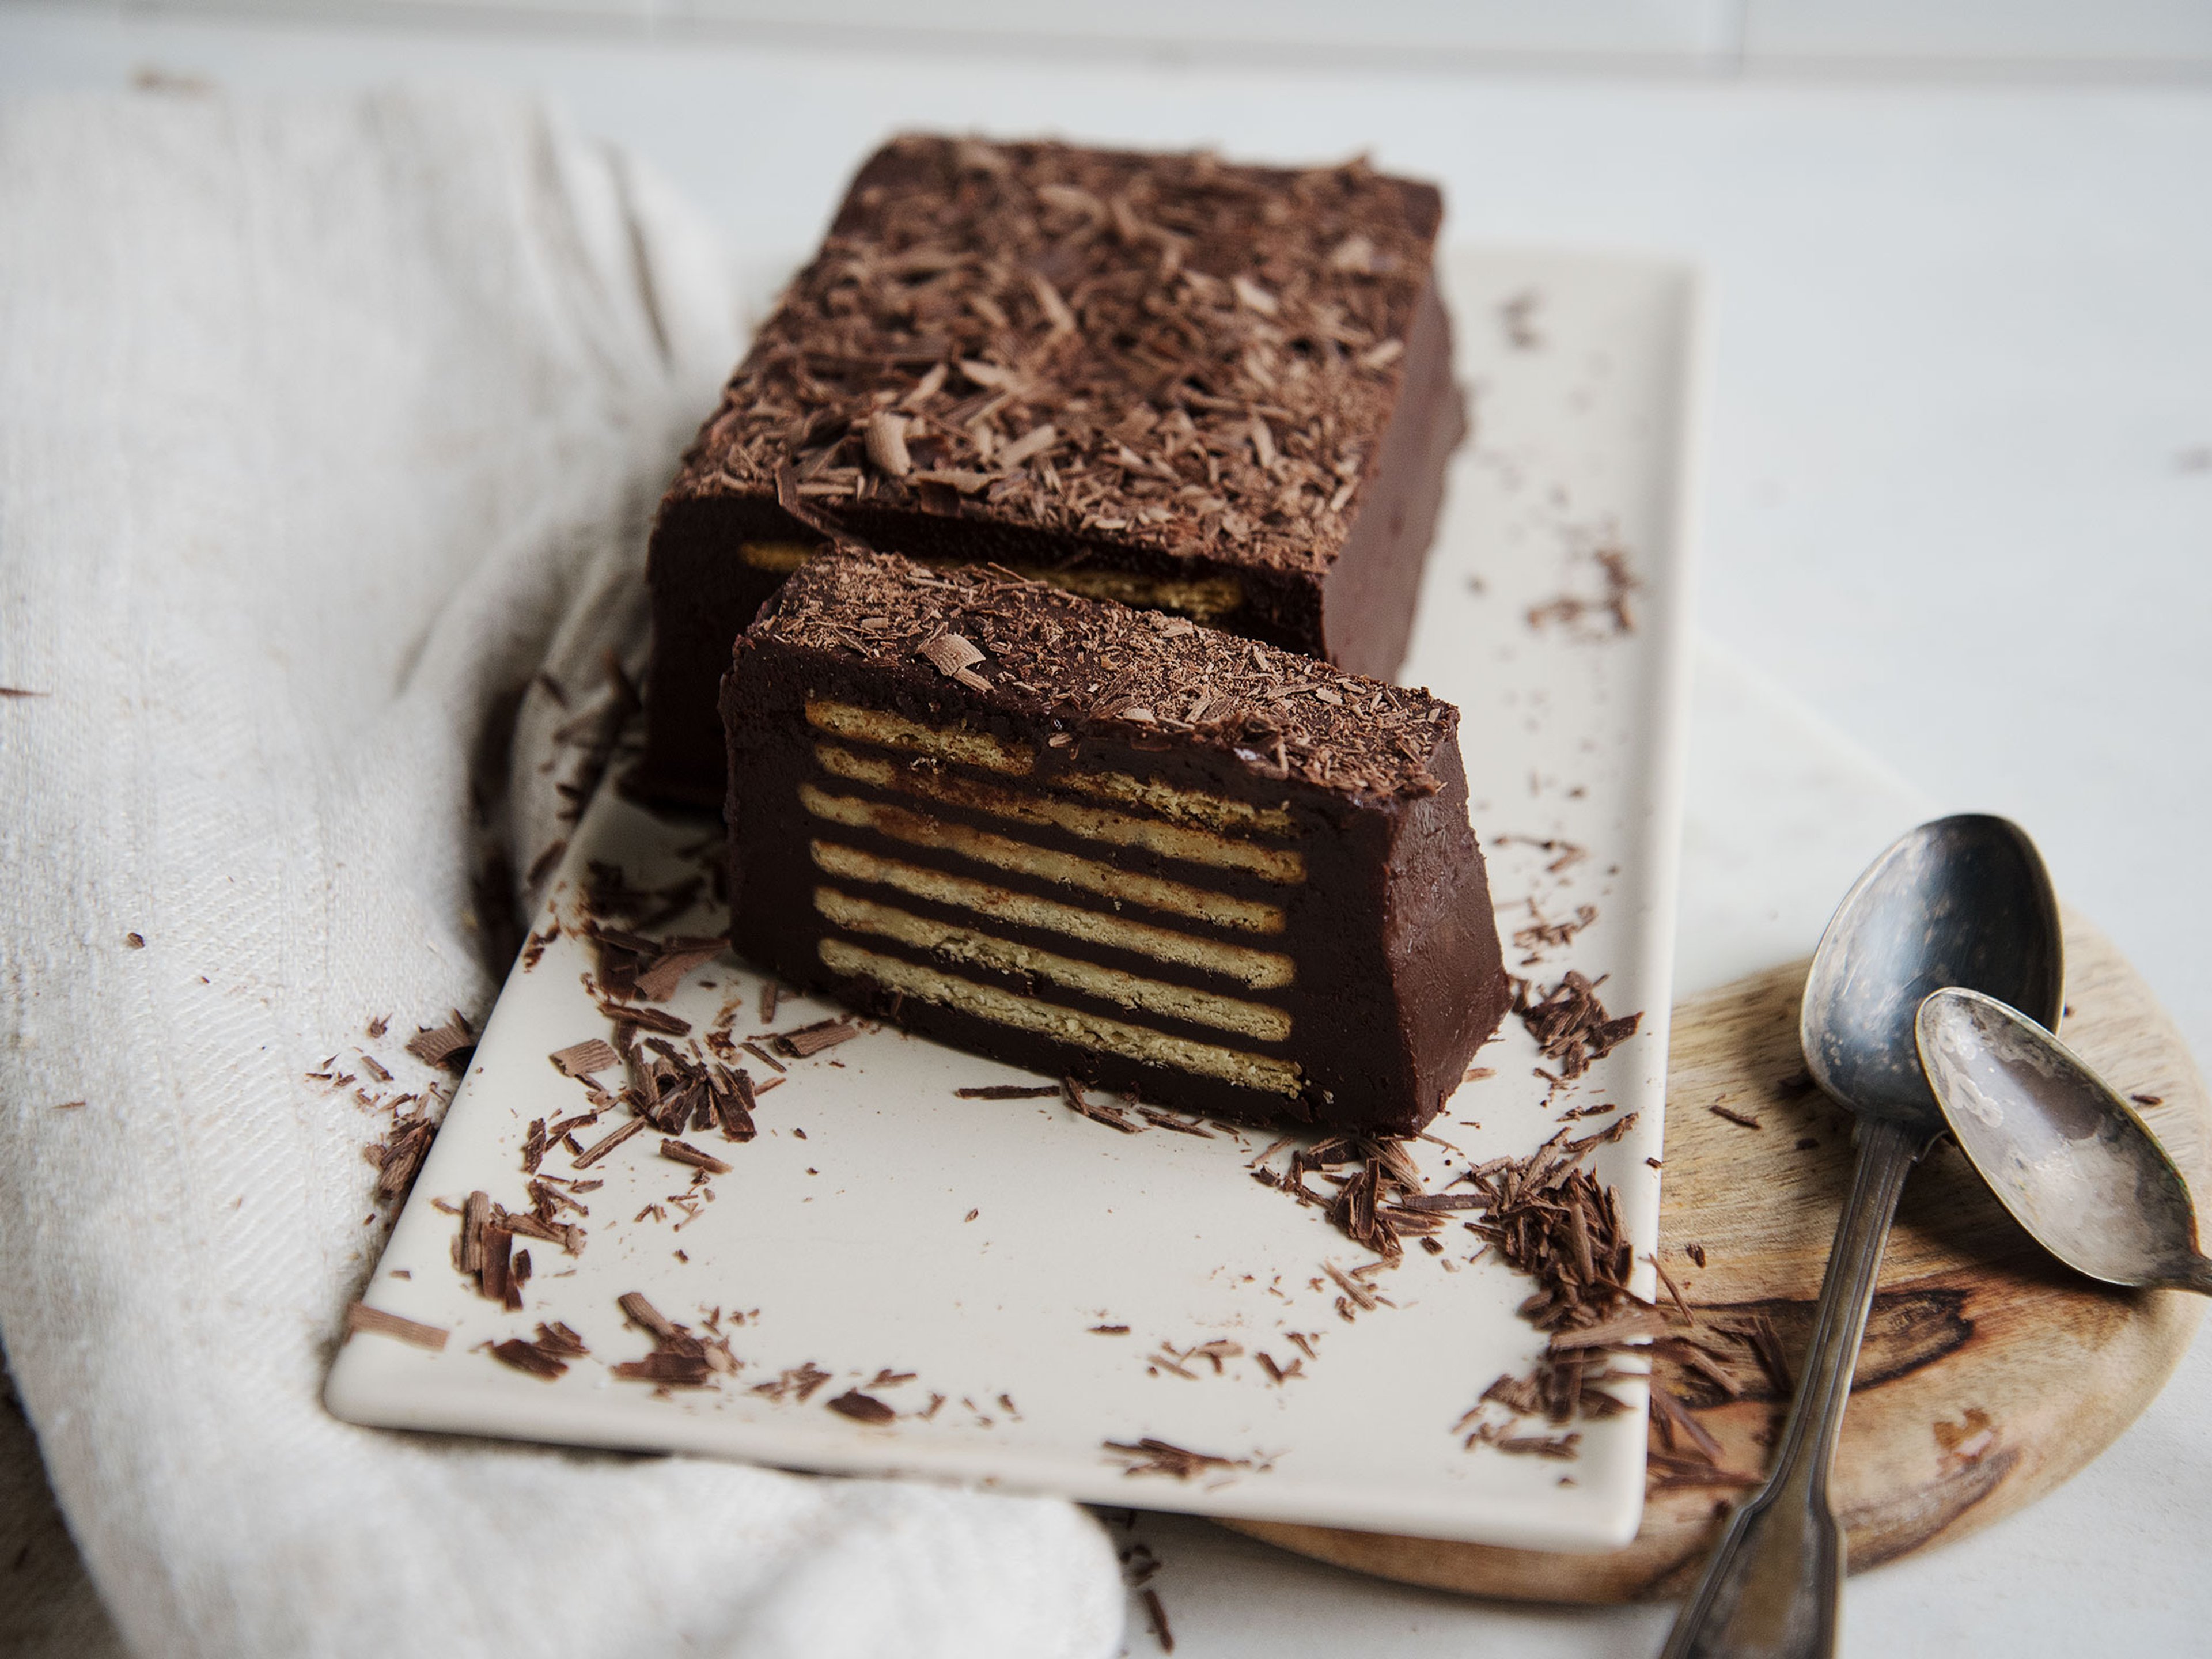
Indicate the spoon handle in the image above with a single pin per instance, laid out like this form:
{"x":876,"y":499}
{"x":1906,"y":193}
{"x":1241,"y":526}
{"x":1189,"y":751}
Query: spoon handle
{"x":1772,"y":1588}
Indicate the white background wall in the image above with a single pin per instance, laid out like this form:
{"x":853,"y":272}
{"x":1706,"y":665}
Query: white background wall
{"x":2105,"y":38}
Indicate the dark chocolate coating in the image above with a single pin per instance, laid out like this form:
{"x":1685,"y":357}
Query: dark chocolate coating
{"x":1335,"y":582}
{"x":1398,"y":971}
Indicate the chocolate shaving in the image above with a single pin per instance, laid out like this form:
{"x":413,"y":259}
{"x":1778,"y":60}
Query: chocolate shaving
{"x":1632,"y":1326}
{"x":802,"y":1381}
{"x":362,"y":1317}
{"x":646,"y":1020}
{"x":669,"y":1371}
{"x":1733,"y":1116}
{"x":449,"y":1045}
{"x":950,"y":653}
{"x":399,"y":1157}
{"x":681,"y":1151}
{"x":1570,"y":1023}
{"x":1561,"y":1446}
{"x":496,"y":1276}
{"x":1151,"y":1457}
{"x":1008,"y":1092}
{"x":1071,"y":1091}
{"x":813,"y":1039}
{"x":582,"y":1060}
{"x":861,"y":1407}
{"x":1569,"y":609}
{"x":529,"y":1357}
{"x":679,"y":1359}
{"x":599,"y":1149}
{"x":1550,"y":1219}
{"x":1158,"y":1617}
{"x":733,"y":1101}
{"x":555,"y":1338}
{"x":677,"y":956}
{"x":476,"y":1216}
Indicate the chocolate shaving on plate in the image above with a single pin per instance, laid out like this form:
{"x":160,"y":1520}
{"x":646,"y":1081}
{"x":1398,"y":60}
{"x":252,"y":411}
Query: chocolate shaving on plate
{"x":1153,"y":1457}
{"x":861,"y":1407}
{"x":1570,"y":1024}
{"x":584,"y":1060}
{"x":362,"y":1317}
{"x":813,"y":1039}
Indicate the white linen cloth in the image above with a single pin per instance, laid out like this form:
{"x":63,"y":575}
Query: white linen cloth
{"x":323,"y":428}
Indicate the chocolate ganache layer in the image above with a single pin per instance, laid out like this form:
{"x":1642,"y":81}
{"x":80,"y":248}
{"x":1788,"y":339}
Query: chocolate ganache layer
{"x":1222,"y":392}
{"x":1107,"y":843}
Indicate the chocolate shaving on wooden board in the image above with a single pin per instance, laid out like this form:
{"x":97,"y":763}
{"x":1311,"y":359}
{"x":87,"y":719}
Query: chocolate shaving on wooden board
{"x":1548,"y":1217}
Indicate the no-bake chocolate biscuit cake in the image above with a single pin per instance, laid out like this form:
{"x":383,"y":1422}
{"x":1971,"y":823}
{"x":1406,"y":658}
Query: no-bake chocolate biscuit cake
{"x":1225,"y":392}
{"x":1107,"y":843}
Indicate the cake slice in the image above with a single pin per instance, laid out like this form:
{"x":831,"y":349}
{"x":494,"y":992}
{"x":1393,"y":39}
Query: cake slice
{"x":1223,"y":392}
{"x":1105,"y":842}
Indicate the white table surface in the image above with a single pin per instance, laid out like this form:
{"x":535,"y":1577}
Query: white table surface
{"x":1957,"y":500}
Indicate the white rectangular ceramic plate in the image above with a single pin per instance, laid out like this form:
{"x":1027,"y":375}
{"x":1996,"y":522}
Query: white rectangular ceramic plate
{"x":880,"y":1224}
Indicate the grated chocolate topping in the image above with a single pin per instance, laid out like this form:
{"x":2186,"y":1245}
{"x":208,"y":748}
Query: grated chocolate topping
{"x":1137,"y":676}
{"x":1162,"y":351}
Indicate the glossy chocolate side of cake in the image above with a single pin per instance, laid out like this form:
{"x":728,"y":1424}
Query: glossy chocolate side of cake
{"x":1227,"y":391}
{"x":1079,"y":885}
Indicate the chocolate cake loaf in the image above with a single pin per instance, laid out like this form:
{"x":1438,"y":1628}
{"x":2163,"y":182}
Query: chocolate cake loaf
{"x":1105,"y":842}
{"x":1223,"y":391}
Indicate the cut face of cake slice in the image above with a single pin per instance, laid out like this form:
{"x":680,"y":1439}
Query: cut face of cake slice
{"x":1107,"y":843}
{"x":1221,"y":392}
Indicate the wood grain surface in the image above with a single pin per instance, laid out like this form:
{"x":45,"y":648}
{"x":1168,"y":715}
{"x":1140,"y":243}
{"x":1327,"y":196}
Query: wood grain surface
{"x":1990,"y":1373}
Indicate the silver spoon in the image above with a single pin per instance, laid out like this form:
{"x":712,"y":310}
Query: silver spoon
{"x":2066,"y":1155}
{"x":1963,"y":900}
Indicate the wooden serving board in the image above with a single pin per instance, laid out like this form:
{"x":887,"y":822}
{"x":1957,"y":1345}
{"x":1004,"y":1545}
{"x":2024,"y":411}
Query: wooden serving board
{"x":1990,"y":1374}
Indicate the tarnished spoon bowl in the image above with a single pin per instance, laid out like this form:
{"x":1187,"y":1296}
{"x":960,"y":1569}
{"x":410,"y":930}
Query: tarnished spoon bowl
{"x":2074,"y":1162}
